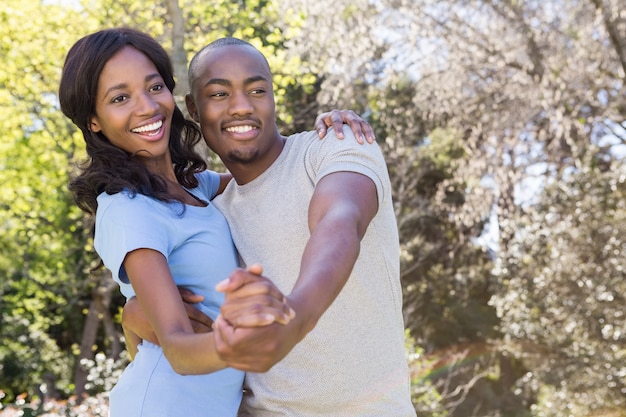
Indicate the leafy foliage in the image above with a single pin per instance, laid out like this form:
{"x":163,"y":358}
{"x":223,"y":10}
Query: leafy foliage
{"x":565,"y":273}
{"x":503,"y":128}
{"x":43,"y":235}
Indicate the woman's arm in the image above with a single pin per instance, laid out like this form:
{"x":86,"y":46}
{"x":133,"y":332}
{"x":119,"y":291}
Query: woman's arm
{"x":188,"y":353}
{"x":263,"y":305}
{"x":137,"y":327}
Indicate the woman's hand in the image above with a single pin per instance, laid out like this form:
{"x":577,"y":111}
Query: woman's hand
{"x":337,"y":118}
{"x":137,"y":327}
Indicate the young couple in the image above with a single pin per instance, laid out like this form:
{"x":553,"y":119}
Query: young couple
{"x":325,"y":335}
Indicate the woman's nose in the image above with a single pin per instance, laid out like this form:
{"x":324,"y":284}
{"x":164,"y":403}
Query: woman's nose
{"x":146,"y":104}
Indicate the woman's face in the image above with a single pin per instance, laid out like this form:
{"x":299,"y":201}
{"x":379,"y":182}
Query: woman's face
{"x":134,"y":107}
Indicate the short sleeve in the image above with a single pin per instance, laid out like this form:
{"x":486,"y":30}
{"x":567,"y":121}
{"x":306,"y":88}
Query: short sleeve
{"x":208,"y":183}
{"x":334,"y":155}
{"x":125,"y":223}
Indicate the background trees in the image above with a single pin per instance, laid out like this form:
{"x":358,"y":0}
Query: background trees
{"x":502,"y":124}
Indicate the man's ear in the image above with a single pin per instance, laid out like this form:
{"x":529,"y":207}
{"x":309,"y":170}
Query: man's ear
{"x":191,"y":107}
{"x":94,"y":126}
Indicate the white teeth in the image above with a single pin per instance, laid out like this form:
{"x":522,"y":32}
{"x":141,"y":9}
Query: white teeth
{"x":149,"y":128}
{"x":239,"y":129}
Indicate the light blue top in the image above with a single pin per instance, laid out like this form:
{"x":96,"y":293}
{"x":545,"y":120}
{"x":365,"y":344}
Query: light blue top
{"x":199,"y":249}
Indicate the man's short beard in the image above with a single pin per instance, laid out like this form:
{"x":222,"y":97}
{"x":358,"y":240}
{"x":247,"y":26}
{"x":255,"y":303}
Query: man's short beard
{"x":243,"y":157}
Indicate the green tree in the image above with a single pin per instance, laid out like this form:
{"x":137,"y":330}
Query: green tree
{"x":55,"y":312}
{"x":562,"y":307}
{"x":442,"y":208}
{"x":43,"y":237}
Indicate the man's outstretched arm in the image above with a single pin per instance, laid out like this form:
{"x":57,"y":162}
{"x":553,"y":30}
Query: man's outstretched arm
{"x":342,"y":206}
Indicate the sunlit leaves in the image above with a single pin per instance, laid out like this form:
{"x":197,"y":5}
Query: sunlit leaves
{"x":565,"y":295}
{"x":42,"y":250}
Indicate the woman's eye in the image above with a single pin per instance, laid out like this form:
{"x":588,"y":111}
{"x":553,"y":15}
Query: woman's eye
{"x":157,"y":87}
{"x":118,"y":99}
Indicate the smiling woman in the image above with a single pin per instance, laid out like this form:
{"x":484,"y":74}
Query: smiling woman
{"x":155,"y":228}
{"x":134,"y":109}
{"x":83,"y":94}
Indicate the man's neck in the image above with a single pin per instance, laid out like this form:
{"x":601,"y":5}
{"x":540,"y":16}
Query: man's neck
{"x":245,"y":172}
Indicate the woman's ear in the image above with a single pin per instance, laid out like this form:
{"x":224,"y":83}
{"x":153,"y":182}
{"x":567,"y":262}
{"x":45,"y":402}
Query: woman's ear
{"x":94,"y":126}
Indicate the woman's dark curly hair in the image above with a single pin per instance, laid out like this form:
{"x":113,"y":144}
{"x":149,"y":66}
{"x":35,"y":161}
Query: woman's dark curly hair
{"x":108,"y":168}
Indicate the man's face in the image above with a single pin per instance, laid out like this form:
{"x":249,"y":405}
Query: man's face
{"x":233,"y":101}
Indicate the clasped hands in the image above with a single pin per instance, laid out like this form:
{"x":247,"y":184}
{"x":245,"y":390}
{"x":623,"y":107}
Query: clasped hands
{"x":257,"y":325}
{"x":256,"y":328}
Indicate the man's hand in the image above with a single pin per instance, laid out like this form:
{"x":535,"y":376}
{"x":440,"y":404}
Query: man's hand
{"x":337,"y":118}
{"x":252,"y":300}
{"x":255,"y":301}
{"x":254,"y":349}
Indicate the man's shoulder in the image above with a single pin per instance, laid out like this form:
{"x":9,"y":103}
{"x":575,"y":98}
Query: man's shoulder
{"x":313,"y":136}
{"x":302,"y":138}
{"x":331,"y":145}
{"x":310,"y":141}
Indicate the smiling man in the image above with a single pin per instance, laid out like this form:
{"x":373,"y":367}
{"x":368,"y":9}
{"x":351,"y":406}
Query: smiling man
{"x":318,"y":215}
